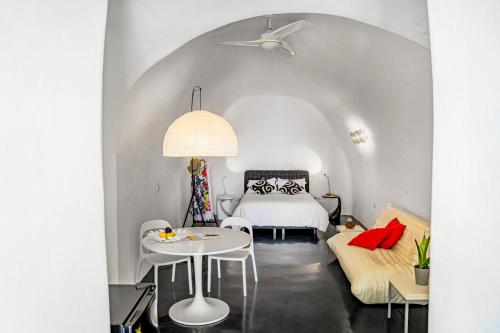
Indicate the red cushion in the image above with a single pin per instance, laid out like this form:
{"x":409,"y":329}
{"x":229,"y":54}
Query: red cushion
{"x":370,"y":239}
{"x":396,"y":230}
{"x":394,"y":222}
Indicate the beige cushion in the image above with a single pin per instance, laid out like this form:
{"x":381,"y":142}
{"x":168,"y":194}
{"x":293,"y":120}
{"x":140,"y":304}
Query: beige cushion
{"x":369,"y":271}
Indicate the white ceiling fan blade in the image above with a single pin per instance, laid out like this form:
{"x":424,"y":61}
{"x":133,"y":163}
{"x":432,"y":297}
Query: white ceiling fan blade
{"x":286,"y":30}
{"x":284,"y":45}
{"x":242,"y":43}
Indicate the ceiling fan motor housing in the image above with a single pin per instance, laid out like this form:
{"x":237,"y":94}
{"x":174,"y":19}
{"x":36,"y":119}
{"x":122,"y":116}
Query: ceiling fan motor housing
{"x":273,"y":39}
{"x":270,"y":44}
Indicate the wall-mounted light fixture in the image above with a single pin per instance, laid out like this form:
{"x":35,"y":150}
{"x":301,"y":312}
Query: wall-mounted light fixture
{"x":359,"y":136}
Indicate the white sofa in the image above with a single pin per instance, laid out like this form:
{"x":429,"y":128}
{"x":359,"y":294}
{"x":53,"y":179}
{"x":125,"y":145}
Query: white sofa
{"x":369,"y":271}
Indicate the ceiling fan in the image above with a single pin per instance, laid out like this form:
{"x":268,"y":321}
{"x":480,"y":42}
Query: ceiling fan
{"x":272,"y":39}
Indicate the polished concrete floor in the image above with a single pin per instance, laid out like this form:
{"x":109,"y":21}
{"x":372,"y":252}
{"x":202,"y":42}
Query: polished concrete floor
{"x":301,"y":288}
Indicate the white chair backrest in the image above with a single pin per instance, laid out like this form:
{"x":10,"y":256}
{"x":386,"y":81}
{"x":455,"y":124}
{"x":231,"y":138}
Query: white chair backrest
{"x":237,"y":223}
{"x":150,"y":225}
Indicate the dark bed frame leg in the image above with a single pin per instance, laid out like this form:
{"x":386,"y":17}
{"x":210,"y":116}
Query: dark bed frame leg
{"x":315,"y":234}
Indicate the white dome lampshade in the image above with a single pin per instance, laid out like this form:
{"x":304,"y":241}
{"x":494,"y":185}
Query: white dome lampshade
{"x":200,"y":134}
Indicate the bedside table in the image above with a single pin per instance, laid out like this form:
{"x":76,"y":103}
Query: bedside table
{"x":334,"y":216}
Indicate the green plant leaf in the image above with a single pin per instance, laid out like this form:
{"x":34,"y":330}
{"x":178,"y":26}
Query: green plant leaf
{"x":425,"y":246}
{"x":419,"y":251}
{"x":426,"y":263}
{"x":422,"y":249}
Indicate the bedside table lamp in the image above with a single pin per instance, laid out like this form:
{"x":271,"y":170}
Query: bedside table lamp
{"x":199,"y":133}
{"x":330,"y":193}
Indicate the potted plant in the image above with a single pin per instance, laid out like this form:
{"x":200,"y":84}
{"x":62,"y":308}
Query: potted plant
{"x":422,"y":268}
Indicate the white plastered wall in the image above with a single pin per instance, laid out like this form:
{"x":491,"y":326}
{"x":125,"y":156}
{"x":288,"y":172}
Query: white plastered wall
{"x":465,"y":270}
{"x":53,"y":275}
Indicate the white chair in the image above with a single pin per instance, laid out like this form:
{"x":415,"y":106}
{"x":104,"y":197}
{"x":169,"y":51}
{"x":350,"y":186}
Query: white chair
{"x":159,"y":259}
{"x":236,"y":223}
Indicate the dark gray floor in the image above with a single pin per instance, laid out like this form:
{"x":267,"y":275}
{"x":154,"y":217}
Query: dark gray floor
{"x":301,"y":288}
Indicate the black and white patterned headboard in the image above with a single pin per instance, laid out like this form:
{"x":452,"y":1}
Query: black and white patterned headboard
{"x":284,"y":174}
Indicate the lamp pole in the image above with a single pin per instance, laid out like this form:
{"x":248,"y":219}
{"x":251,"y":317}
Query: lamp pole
{"x":194,"y":197}
{"x":329,"y":190}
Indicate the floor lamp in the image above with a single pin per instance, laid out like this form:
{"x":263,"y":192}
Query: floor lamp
{"x":199,"y":133}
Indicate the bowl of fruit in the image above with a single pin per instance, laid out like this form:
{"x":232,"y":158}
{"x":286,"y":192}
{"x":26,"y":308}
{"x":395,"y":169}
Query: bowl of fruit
{"x":166,"y":235}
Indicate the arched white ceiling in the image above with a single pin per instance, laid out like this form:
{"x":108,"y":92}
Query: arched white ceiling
{"x":152,"y":29}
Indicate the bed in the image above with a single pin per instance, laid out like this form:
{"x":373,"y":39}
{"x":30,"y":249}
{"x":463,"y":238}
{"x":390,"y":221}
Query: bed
{"x":276,"y":210}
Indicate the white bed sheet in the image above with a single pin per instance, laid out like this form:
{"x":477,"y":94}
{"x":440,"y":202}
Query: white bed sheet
{"x":282,"y":210}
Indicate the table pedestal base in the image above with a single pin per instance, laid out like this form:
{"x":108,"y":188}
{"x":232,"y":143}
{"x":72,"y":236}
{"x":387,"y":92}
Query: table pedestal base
{"x":201,"y":311}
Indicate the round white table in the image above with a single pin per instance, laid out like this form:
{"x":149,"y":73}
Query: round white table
{"x":200,"y":310}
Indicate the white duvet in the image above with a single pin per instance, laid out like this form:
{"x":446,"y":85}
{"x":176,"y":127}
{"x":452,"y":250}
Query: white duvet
{"x":282,"y":210}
